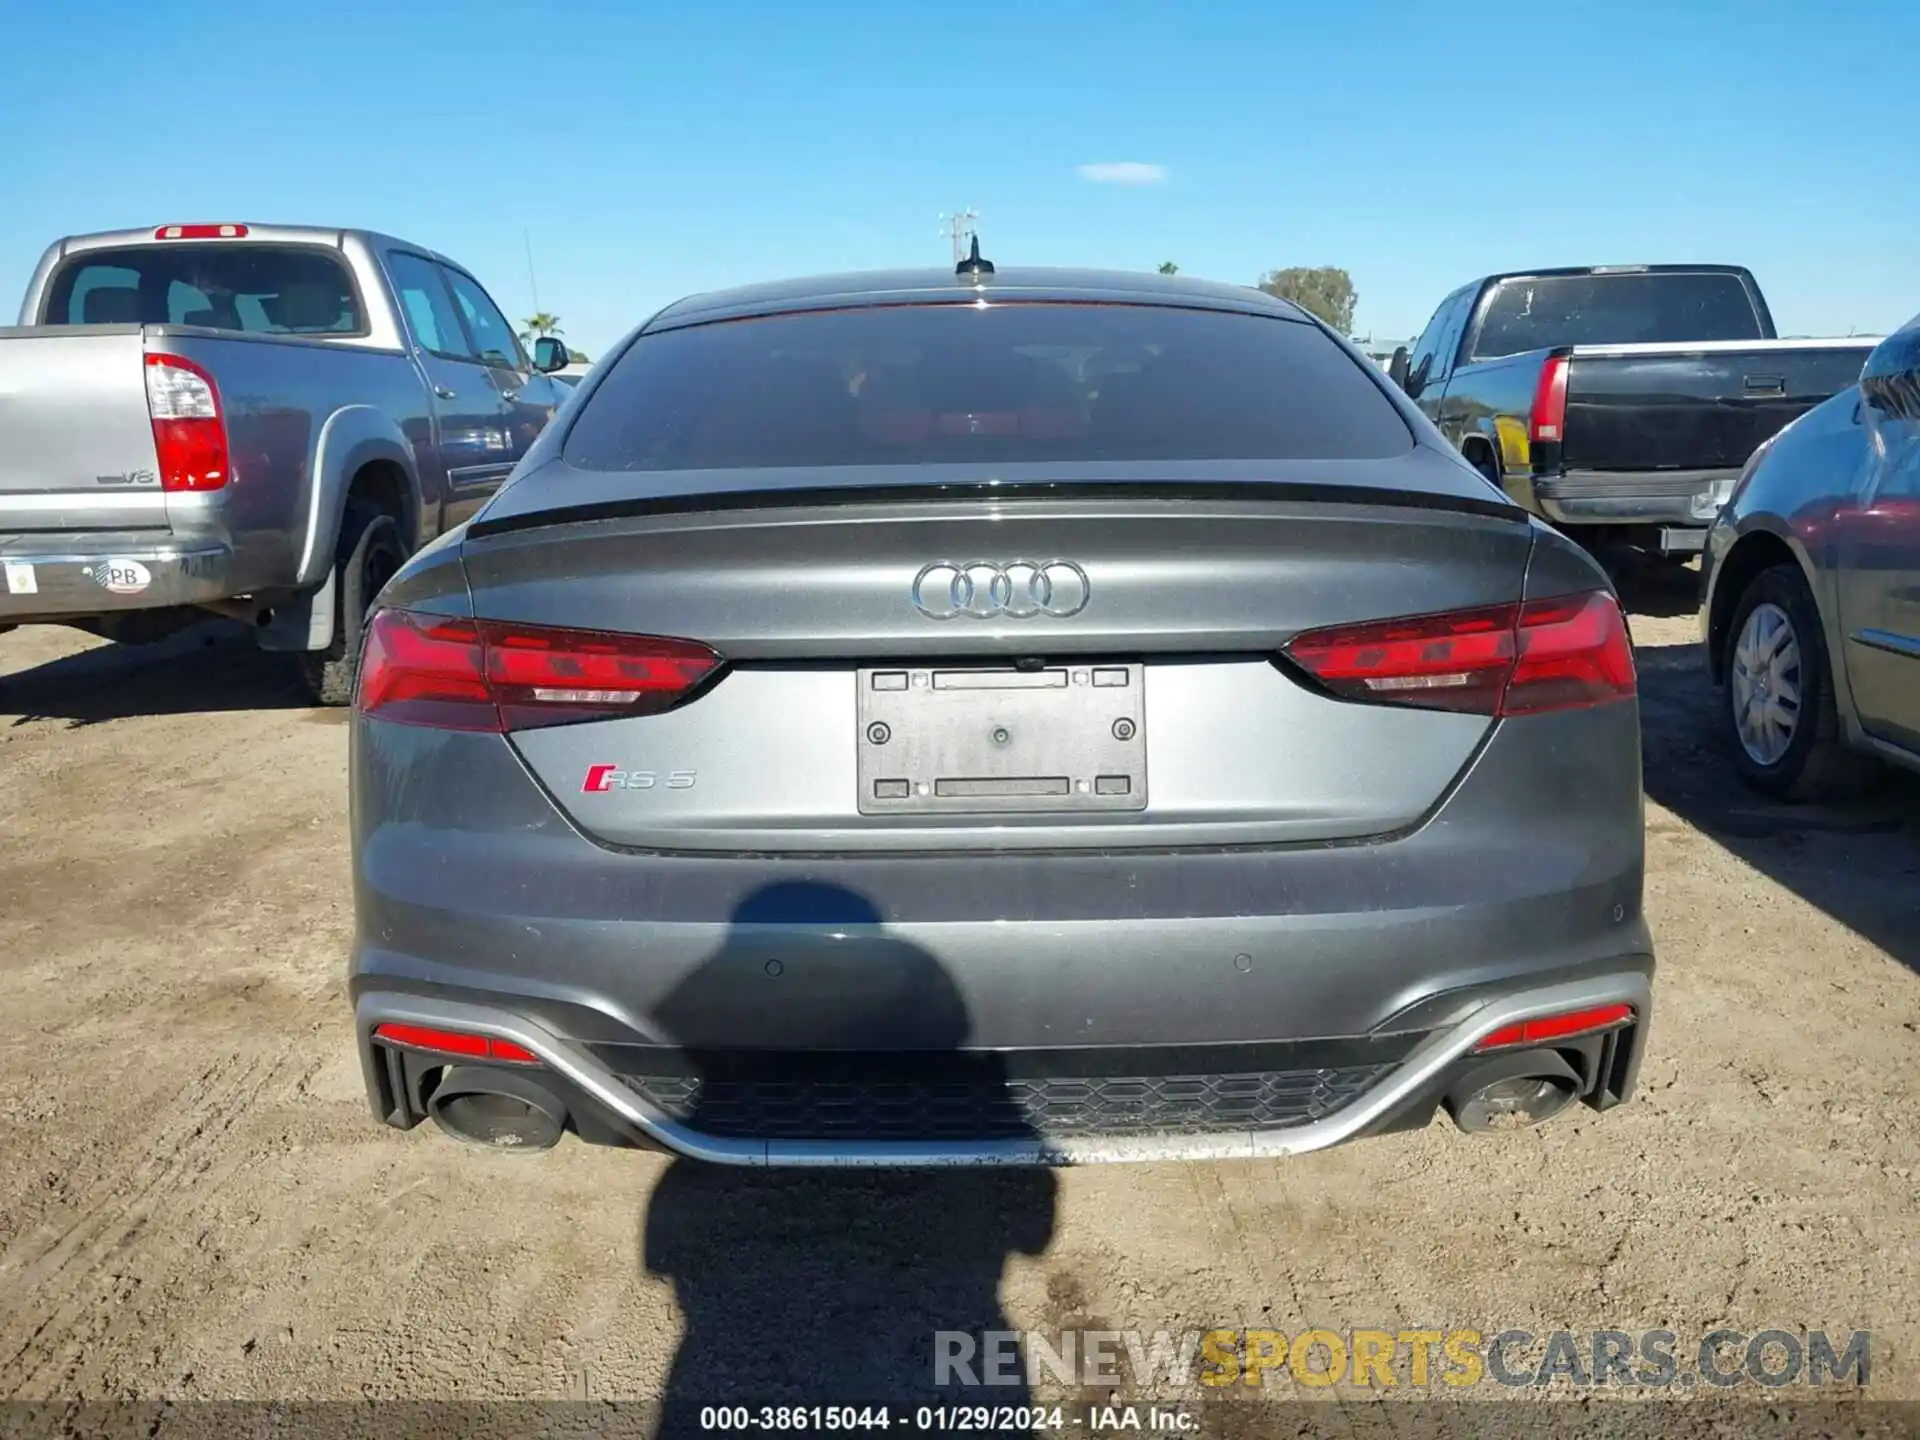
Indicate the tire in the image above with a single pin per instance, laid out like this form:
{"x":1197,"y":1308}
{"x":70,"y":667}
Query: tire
{"x":1776,"y":650}
{"x":370,"y":551}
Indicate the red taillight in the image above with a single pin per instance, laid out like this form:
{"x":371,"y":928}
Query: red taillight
{"x":1560,"y":654}
{"x":1573,"y":653}
{"x":1549,"y":422}
{"x":1459,"y":661}
{"x":455,"y":1042}
{"x":424,"y":670}
{"x":201,"y":232}
{"x":487,"y":675}
{"x":1556,"y":1027}
{"x":189,"y":432}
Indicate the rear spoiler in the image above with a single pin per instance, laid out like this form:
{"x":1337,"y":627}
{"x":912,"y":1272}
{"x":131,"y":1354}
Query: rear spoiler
{"x":788,"y":497}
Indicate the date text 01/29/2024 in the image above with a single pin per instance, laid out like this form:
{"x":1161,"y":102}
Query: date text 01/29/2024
{"x":959,"y":1419}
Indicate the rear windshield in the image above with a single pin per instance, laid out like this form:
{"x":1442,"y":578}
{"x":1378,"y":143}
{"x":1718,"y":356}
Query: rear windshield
{"x":257,"y":289}
{"x":1532,"y":314}
{"x":1014,"y":383}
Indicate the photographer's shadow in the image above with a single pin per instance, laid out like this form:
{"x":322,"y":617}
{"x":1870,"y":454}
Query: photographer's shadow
{"x":811,"y":1286}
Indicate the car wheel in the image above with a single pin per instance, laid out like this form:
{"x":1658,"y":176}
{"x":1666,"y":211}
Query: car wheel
{"x":370,"y":552}
{"x":1779,"y":709}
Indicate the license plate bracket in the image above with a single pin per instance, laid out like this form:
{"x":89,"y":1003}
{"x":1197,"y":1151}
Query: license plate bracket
{"x":964,"y":740}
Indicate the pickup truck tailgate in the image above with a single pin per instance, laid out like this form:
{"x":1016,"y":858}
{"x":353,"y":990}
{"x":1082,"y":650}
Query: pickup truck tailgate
{"x":76,"y":440}
{"x":1694,"y":407}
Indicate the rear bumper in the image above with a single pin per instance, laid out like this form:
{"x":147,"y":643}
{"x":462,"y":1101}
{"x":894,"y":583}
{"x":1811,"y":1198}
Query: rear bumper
{"x":480,"y":907}
{"x":1687,"y":498}
{"x":51,"y":576}
{"x":1403,"y":1093}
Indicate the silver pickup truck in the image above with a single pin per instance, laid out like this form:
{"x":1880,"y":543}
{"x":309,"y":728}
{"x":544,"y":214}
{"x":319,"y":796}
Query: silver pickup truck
{"x":261,"y":422}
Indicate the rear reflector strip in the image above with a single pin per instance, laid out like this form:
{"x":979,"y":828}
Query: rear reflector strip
{"x":1556,"y":1027}
{"x":1566,"y":653}
{"x":454,"y":674}
{"x":455,"y":1042}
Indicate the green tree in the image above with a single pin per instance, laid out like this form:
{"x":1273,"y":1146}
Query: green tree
{"x":1167,"y":267}
{"x":577,"y":357}
{"x":538,"y":325}
{"x":1325,"y":290}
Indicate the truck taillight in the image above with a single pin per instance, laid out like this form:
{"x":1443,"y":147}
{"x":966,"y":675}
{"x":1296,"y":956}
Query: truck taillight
{"x":189,"y":432}
{"x":1549,"y":422}
{"x":201,"y":232}
{"x":1565,"y":653}
{"x":453,"y":674}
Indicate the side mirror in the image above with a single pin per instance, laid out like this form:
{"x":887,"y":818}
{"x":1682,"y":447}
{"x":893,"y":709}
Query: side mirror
{"x":549,"y":354}
{"x":1890,"y":380}
{"x":1397,"y":367}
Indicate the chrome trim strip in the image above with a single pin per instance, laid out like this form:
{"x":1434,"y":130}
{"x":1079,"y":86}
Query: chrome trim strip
{"x":1886,"y":640}
{"x":1426,"y":1063}
{"x":136,"y":503}
{"x":464,"y":478}
{"x":1636,"y":349}
{"x":18,"y":546}
{"x":1640,"y":484}
{"x":1894,"y":754}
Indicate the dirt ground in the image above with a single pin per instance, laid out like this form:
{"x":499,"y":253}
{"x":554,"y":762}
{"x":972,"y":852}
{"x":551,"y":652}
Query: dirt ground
{"x":195,"y":1202}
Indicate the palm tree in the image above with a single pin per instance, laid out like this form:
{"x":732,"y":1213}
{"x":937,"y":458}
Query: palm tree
{"x":538,"y":325}
{"x":1167,"y":267}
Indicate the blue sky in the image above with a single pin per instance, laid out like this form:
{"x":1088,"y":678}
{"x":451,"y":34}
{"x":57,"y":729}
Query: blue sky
{"x":654,"y":150}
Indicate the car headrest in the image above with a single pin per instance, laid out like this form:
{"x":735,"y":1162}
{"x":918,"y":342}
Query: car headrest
{"x":305,"y":307}
{"x":118,"y":305}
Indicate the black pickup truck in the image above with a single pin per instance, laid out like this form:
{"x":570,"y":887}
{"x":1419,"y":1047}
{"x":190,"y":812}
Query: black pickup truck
{"x":1618,"y":401}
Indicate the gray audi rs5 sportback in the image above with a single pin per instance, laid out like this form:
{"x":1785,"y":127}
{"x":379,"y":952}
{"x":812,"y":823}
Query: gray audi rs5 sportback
{"x":964,"y":717}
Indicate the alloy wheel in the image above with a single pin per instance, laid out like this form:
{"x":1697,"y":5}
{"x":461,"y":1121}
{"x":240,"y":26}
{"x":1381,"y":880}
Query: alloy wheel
{"x":1764,"y":684}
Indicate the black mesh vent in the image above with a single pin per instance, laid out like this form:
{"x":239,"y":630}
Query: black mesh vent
{"x":989,"y":1106}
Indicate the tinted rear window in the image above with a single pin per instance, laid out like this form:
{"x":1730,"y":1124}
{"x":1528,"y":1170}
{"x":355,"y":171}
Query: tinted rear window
{"x":257,"y":289}
{"x":1532,"y":314}
{"x":1015,"y":383}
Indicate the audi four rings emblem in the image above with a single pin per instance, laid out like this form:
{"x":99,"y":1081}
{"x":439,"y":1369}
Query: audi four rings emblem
{"x":989,"y":589}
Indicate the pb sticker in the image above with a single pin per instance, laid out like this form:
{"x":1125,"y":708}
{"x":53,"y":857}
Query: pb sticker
{"x":21,"y":579}
{"x":122,"y":577}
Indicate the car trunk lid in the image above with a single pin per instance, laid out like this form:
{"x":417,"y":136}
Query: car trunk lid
{"x":1011,"y":668}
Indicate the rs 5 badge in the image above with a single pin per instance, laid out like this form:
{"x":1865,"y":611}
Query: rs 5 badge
{"x":602,"y":778}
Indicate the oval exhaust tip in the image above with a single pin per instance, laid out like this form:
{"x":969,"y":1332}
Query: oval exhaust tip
{"x":1515,"y":1103}
{"x":1513,"y":1091}
{"x":496,"y":1110}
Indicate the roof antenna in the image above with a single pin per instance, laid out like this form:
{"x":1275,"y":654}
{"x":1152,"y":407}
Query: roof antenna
{"x":973,"y":265}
